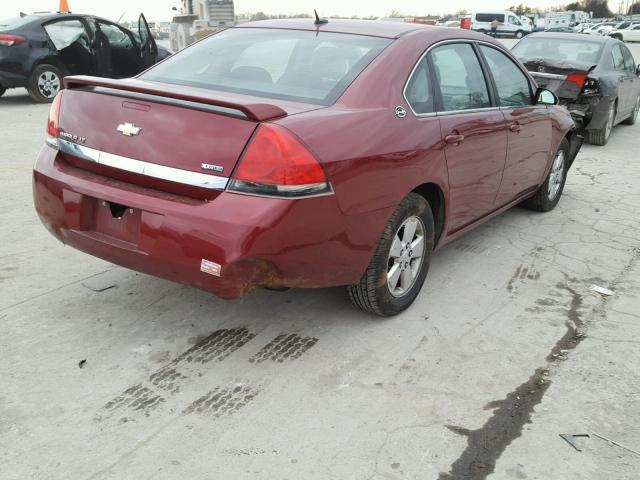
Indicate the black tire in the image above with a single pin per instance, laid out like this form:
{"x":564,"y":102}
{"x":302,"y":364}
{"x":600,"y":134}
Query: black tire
{"x":601,"y":137}
{"x":48,"y":73}
{"x":617,"y":36}
{"x":546,"y":199}
{"x":372,"y":293}
{"x":631,"y":120}
{"x":519,"y":34}
{"x":2,"y":91}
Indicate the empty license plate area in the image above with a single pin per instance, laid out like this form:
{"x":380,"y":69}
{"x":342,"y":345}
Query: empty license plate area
{"x":117,"y":221}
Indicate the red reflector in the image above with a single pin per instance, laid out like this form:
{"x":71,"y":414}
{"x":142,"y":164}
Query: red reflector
{"x":53,"y":129}
{"x":7,"y":40}
{"x":276,"y":157}
{"x":577,"y":78}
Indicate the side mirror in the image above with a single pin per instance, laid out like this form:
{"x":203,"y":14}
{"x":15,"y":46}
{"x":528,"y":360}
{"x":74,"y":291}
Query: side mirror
{"x":546,"y":97}
{"x":638,"y":70}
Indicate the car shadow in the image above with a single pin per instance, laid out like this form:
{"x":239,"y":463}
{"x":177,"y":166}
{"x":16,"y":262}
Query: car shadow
{"x":19,"y":98}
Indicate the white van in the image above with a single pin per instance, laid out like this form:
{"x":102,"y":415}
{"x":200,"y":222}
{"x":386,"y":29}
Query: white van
{"x":510,"y":25}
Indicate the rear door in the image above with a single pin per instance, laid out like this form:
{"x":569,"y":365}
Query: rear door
{"x":71,"y":40}
{"x":632,"y":82}
{"x":473,"y":132}
{"x":528,"y":126}
{"x":625,"y":81}
{"x":148,"y":47}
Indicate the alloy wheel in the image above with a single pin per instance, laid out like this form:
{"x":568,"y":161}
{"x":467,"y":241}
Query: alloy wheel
{"x":405,"y":256}
{"x":48,"y":84}
{"x":556,"y":176}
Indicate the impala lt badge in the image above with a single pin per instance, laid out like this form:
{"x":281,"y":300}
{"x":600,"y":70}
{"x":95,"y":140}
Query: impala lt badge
{"x":128,"y":129}
{"x":73,"y":138}
{"x":215,"y":168}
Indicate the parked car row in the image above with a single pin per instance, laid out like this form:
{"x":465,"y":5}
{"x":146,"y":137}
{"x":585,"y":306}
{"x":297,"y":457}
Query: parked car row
{"x":294,"y":153}
{"x":38,"y":51}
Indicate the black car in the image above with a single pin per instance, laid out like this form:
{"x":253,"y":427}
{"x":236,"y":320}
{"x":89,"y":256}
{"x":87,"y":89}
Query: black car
{"x":37,"y":51}
{"x":595,"y":77}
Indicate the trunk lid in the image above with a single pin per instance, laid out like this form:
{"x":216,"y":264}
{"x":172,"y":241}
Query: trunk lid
{"x":556,"y":75}
{"x":160,"y":136}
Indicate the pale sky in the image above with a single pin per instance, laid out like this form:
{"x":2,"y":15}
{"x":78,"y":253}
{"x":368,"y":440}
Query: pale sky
{"x":160,"y":10}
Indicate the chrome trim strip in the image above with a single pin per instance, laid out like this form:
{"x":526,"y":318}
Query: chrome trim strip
{"x":470,"y":110}
{"x":177,"y":175}
{"x":554,"y":76}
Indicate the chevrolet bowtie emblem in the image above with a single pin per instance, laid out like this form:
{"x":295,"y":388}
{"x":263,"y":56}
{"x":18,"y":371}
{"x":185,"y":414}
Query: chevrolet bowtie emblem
{"x":128,"y":129}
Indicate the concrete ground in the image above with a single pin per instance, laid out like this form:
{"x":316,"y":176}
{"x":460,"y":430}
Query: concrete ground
{"x":110,"y":374}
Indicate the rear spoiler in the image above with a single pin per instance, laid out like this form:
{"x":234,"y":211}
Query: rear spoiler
{"x":258,"y":112}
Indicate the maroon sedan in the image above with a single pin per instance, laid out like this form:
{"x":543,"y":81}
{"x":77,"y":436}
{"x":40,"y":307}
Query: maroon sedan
{"x":302,"y":154}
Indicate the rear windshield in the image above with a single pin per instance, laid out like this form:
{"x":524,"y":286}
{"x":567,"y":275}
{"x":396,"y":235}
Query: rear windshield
{"x":295,"y":65}
{"x":579,"y":51}
{"x":13,"y":23}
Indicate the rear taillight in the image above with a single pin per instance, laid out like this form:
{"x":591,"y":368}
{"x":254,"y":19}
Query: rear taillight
{"x":53,"y":130}
{"x":7,"y":40}
{"x":277,"y":164}
{"x":591,"y":87}
{"x":577,"y":78}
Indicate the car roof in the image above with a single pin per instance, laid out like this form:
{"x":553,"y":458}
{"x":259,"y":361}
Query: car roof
{"x":572,"y":36}
{"x":46,"y":17}
{"x":374,"y":28}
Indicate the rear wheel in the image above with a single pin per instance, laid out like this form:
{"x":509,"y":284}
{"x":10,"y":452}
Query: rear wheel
{"x":549,"y":193}
{"x":45,"y":83}
{"x":617,"y":36}
{"x":634,"y":115}
{"x":601,"y":137}
{"x":399,"y":266}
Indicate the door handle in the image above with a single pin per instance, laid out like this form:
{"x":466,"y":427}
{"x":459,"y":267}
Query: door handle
{"x":515,"y":127}
{"x":454,"y":139}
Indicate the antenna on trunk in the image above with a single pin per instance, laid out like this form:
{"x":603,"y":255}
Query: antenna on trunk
{"x":319,"y":21}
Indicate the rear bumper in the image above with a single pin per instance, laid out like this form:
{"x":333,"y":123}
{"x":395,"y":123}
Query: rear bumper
{"x":255,"y":241}
{"x":589,"y":113}
{"x":12,"y":80}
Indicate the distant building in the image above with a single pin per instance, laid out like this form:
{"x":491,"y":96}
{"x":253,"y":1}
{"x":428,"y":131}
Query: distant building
{"x":217,"y":13}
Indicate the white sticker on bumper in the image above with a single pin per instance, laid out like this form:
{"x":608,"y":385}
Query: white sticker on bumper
{"x":212,"y":268}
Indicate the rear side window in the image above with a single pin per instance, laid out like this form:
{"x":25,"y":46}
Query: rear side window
{"x":66,"y":33}
{"x":512,"y":85}
{"x":617,"y":60}
{"x":459,"y":76}
{"x":419,"y":92}
{"x":629,"y":63}
{"x":307,"y":66}
{"x":581,"y":51}
{"x":489,"y":17}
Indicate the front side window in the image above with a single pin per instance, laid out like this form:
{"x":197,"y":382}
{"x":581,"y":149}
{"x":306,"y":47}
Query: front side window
{"x":459,"y":76}
{"x":67,"y":32}
{"x":419,"y":92}
{"x":514,"y":21}
{"x":307,"y":66}
{"x":116,"y":36}
{"x":512,"y":85}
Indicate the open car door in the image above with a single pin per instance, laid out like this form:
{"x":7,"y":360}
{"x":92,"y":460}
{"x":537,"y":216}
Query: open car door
{"x":148,"y":47}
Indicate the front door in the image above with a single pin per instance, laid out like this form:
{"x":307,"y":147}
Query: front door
{"x":148,"y":47}
{"x":528,"y":127}
{"x":473,"y":133}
